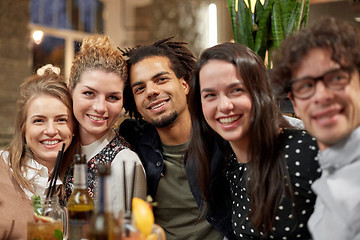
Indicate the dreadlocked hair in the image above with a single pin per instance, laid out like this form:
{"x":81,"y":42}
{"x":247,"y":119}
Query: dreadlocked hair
{"x":182,"y":62}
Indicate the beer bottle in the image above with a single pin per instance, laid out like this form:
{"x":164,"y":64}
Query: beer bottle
{"x":103,"y":225}
{"x":80,"y":204}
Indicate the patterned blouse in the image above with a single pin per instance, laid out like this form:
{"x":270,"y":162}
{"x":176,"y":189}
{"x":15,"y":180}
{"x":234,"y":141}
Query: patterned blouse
{"x":107,"y":154}
{"x":300,"y":153}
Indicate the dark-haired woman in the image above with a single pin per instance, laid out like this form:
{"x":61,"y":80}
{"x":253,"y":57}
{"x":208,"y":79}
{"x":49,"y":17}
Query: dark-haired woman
{"x":268,"y":166}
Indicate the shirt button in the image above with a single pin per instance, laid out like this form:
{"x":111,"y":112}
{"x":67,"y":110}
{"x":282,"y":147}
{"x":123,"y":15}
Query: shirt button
{"x":158,"y":164}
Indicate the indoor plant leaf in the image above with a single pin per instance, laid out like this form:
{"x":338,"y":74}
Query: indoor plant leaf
{"x":291,"y":23}
{"x":259,"y":11}
{"x":262,"y":34}
{"x":306,"y":13}
{"x":231,"y":8}
{"x":298,"y":15}
{"x":244,"y":24}
{"x":276,"y":24}
{"x":271,"y":22}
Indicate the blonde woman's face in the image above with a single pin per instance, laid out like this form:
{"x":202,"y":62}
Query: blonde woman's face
{"x":49,"y":124}
{"x":97,"y":103}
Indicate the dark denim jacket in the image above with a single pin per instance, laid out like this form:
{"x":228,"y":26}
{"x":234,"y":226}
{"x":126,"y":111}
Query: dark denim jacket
{"x":144,"y":138}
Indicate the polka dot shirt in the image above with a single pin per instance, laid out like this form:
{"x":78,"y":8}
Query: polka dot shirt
{"x":300,"y":153}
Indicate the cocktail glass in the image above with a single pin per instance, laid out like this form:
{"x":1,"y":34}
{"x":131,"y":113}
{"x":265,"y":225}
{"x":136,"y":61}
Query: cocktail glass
{"x":48,"y":222}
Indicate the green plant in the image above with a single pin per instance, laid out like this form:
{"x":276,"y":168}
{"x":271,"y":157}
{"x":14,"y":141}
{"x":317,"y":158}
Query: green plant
{"x":271,"y":22}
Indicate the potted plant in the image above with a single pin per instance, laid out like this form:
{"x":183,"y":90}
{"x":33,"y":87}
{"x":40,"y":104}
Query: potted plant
{"x":266,"y":27}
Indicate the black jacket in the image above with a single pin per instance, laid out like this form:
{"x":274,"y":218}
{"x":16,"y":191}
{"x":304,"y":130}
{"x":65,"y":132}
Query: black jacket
{"x":146,"y":142}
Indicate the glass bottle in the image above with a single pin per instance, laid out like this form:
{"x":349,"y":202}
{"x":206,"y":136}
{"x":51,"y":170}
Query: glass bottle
{"x":80,"y":204}
{"x":103,"y":224}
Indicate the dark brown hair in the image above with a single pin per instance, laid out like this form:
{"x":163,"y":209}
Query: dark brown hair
{"x":266,"y":170}
{"x":341,"y":38}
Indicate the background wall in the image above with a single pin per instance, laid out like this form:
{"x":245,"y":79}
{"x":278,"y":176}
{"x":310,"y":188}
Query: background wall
{"x":15,"y":61}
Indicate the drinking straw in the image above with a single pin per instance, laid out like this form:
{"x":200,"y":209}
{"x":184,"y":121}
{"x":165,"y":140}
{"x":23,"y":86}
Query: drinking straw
{"x":126,"y":210}
{"x":129,"y":208}
{"x":125,"y":195}
{"x":133,"y":185}
{"x":55,"y":173}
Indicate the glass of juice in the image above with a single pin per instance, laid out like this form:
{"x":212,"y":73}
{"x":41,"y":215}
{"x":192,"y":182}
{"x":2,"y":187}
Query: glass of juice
{"x":48,"y":221}
{"x":130,"y":232}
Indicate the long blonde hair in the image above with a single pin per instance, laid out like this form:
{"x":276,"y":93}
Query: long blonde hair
{"x":50,"y":84}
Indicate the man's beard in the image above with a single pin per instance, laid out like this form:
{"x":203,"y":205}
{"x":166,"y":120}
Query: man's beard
{"x":164,"y":121}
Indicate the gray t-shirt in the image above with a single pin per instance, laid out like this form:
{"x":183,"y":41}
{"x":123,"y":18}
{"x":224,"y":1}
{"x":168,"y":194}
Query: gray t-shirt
{"x":177,"y":211}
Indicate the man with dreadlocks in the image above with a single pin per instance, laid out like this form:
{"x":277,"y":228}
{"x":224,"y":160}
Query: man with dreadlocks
{"x":156,"y":95}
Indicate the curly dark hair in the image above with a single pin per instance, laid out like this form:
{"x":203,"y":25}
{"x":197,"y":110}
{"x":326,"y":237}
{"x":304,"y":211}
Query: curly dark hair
{"x":341,"y":38}
{"x":182,"y":62}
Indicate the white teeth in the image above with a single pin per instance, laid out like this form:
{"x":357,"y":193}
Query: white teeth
{"x":229,"y":119}
{"x":96,"y":118}
{"x":324,"y":117}
{"x":158,"y":105}
{"x":50,"y":142}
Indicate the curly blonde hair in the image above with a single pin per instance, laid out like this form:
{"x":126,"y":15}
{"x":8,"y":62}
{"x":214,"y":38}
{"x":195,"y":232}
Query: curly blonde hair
{"x":97,"y":53}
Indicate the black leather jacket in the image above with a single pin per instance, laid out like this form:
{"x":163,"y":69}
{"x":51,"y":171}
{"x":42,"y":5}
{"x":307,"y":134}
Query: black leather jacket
{"x":146,"y":142}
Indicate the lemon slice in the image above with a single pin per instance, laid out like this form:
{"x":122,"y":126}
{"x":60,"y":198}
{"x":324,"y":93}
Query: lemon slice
{"x":143,"y":216}
{"x":44,"y":219}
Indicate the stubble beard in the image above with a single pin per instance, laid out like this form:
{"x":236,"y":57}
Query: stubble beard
{"x":165,"y":121}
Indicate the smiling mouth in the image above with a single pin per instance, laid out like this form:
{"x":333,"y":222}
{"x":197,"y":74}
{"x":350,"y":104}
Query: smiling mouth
{"x":50,"y":142}
{"x":324,"y":117}
{"x":229,"y":120}
{"x":158,"y":105}
{"x":327,"y":115}
{"x":97,"y":118}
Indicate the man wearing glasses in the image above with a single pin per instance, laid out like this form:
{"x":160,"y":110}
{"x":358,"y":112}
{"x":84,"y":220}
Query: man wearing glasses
{"x":319,"y":70}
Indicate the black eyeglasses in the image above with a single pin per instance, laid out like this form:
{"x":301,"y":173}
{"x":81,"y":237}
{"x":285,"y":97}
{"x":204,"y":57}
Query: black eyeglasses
{"x":335,"y":79}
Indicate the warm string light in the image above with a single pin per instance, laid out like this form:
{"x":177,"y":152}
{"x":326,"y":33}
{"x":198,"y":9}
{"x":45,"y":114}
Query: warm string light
{"x":38,"y":36}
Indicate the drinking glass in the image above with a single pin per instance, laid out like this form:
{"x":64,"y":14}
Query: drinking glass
{"x":49,"y":222}
{"x":131,"y":233}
